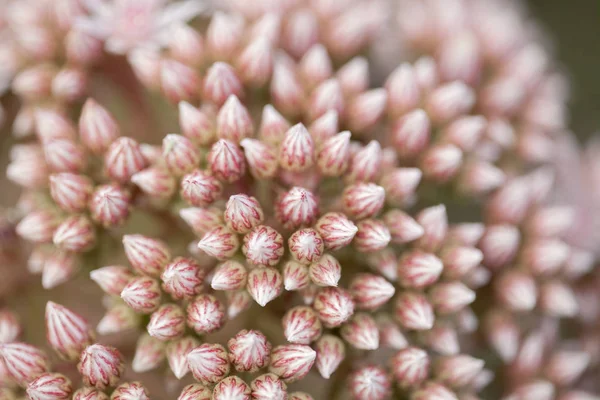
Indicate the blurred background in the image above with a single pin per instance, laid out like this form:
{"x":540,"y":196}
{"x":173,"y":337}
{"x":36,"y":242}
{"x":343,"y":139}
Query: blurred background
{"x":574,"y":27}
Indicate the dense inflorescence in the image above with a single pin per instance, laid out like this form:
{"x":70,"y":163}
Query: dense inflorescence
{"x":304,"y":224}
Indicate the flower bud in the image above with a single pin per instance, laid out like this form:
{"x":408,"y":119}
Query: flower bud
{"x":142,"y":294}
{"x":182,"y":278}
{"x":327,"y":96}
{"x":267,"y":387}
{"x":336,"y":230}
{"x":69,"y":84}
{"x":180,"y":154}
{"x":324,"y":128}
{"x":224,"y":35}
{"x":249,"y":351}
{"x":372,"y":236}
{"x":315,"y":66}
{"x":59,"y":268}
{"x":499,"y":245}
{"x":300,"y":396}
{"x":418,"y":269}
{"x":51,"y":124}
{"x":450,"y":297}
{"x":450,"y":101}
{"x":354,"y":76}
{"x":306,"y":246}
{"x":123,"y":159}
{"x":301,"y":325}
{"x":209,"y":363}
{"x":49,"y":385}
{"x":112,"y":279}
{"x":411,"y":134}
{"x":443,"y":339}
{"x":292,"y":362}
{"x":432,"y":390}
{"x":178,"y":81}
{"x":64,"y":155}
{"x":403,"y":90}
{"x":186,"y":44}
{"x":197,"y":125}
{"x":100,"y":366}
{"x":517,"y":290}
{"x":410,"y":367}
{"x":370,"y":382}
{"x":10,"y":327}
{"x":221,"y":82}
{"x":119,"y":318}
{"x":558,"y":300}
{"x":413,"y":311}
{"x":220,"y":243}
{"x":205,"y":314}
{"x":231,"y":387}
{"x":361,"y":332}
{"x":67,"y":332}
{"x":230,"y":275}
{"x":130,"y":391}
{"x":334,"y":306}
{"x":83,"y":49}
{"x":226,"y":161}
{"x":109,"y":205}
{"x":70,"y":191}
{"x":503,"y":335}
{"x":200,"y":189}
{"x":261,"y":158}
{"x":286,"y":91}
{"x":146,"y":255}
{"x":23,"y":361}
{"x":88,"y":393}
{"x":297,"y":207}
{"x":297,"y":150}
{"x":566,"y":367}
{"x":263,"y":246}
{"x":441,"y":162}
{"x":371,"y":291}
{"x":38,"y":226}
{"x":243,"y":213}
{"x":177,"y":352}
{"x":76,"y":234}
{"x":264,"y":285}
{"x":155,"y":182}
{"x":363,"y":200}
{"x":167,"y":323}
{"x":545,"y":257}
{"x":295,"y":276}
{"x":149,"y":354}
{"x":237,"y":302}
{"x":201,"y":220}
{"x":255,"y":62}
{"x":334,"y":155}
{"x":233,"y":121}
{"x":331,"y":351}
{"x":459,"y":370}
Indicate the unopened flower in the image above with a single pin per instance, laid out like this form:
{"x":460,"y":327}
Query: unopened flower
{"x":263,"y":246}
{"x":370,"y":382}
{"x":182,"y":278}
{"x":59,"y":267}
{"x":130,"y":391}
{"x":201,"y":220}
{"x":249,"y":350}
{"x":75,"y":234}
{"x":418,"y":269}
{"x":67,"y":332}
{"x":24,"y":362}
{"x":49,"y":385}
{"x":149,"y":354}
{"x":292,"y":362}
{"x":118,"y":318}
{"x":146,"y":255}
{"x":334,"y":306}
{"x":100,"y":366}
{"x":261,"y":158}
{"x":229,"y":275}
{"x":301,"y":325}
{"x":231,"y":387}
{"x":410,"y":366}
{"x":306,"y":246}
{"x":88,"y":393}
{"x":361,"y":332}
{"x":167,"y":322}
{"x":226,"y":161}
{"x":295,"y":276}
{"x":195,"y":391}
{"x":70,"y":191}
{"x":109,"y":205}
{"x":371,"y":291}
{"x":450,"y":297}
{"x":10,"y":326}
{"x":205,"y":314}
{"x":413,"y":311}
{"x":331,"y":351}
{"x":326,"y":271}
{"x":123,"y":159}
{"x":97,"y":127}
{"x":142,"y":294}
{"x":458,"y":370}
{"x":177,"y":351}
{"x":363,"y":200}
{"x":155,"y":182}
{"x":264,"y":285}
{"x":336,"y":230}
{"x":111,"y":279}
{"x":208,"y":363}
{"x":219,"y":242}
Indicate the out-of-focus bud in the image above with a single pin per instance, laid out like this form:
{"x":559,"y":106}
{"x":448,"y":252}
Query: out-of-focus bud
{"x":117,"y":319}
{"x":146,"y":255}
{"x":178,"y":81}
{"x":315,"y":66}
{"x":224,"y":35}
{"x":221,"y":82}
{"x":410,"y":134}
{"x":286,"y":90}
{"x":450,"y":101}
{"x":123,"y":159}
{"x":354,"y":76}
{"x":146,"y":65}
{"x":363,"y":200}
{"x":35,"y":82}
{"x":366,"y":110}
{"x":327,"y":96}
{"x":70,"y":191}
{"x":410,"y":367}
{"x":370,"y":382}
{"x":186,"y":45}
{"x":81,"y":48}
{"x":10,"y":327}
{"x":334,"y":306}
{"x":201,"y":220}
{"x":59,"y":268}
{"x":67,"y":332}
{"x":499,"y":245}
{"x":403,"y":92}
{"x":177,"y":352}
{"x":361,"y":332}
{"x":97,"y":127}
{"x":418,"y":269}
{"x":255,"y":62}
{"x":130,"y":391}
{"x":149,"y":354}
{"x":458,"y":370}
{"x":400,"y":185}
{"x":371,"y":291}
{"x":156,"y":182}
{"x":450,"y":297}
{"x":413,"y":311}
{"x":558,"y":300}
{"x":180,"y":154}
{"x":38,"y":226}
{"x":517,"y":290}
{"x":331,"y":351}
{"x":69,"y":84}
{"x":196,"y":124}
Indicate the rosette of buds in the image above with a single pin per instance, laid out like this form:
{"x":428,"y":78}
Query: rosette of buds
{"x":329,"y":238}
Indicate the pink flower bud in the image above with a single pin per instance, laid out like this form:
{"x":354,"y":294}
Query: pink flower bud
{"x":201,"y":220}
{"x":59,"y":268}
{"x":64,"y":155}
{"x":112,"y":279}
{"x":146,"y":255}
{"x":10,"y":327}
{"x":354,"y":76}
{"x":331,"y":351}
{"x":410,"y":134}
{"x":558,"y":300}
{"x":109,"y":205}
{"x":297,"y":207}
{"x":243,"y":213}
{"x":261,"y":158}
{"x":301,"y":325}
{"x":460,"y":260}
{"x":69,"y":84}
{"x":100,"y":366}
{"x":209,"y":363}
{"x":51,"y":124}
{"x":402,"y":227}
{"x":510,"y":203}
{"x":88,"y":393}
{"x":186,"y":44}
{"x":76,"y":234}
{"x":237,"y":302}
{"x":336,"y":230}
{"x":443,"y":339}
{"x":268,"y":387}
{"x":286,"y":90}
{"x":434,"y":221}
{"x":149,"y":354}
{"x":366,"y":110}
{"x":67,"y":332}
{"x":205,"y":314}
{"x":295,"y":276}
{"x":197,"y":125}
{"x":50,"y":386}
{"x":432,"y":390}
{"x":361,"y":332}
{"x":366,"y":163}
{"x":34,"y":82}
{"x":459,"y":370}
{"x":233,"y":121}
{"x":119,"y":318}
{"x":480,"y":177}
{"x":537,"y":389}
{"x":334,"y":156}
{"x":403,"y":90}
{"x":267,"y":26}
{"x":413,"y":311}
{"x":231,"y":387}
{"x":334,"y":306}
{"x":309,"y":293}
{"x":363,"y":200}
{"x":82,"y":48}
{"x":263,"y":246}
{"x":450,"y":101}
{"x":255,"y":63}
{"x":372,"y":236}
{"x":182,"y":278}
{"x":142,"y":294}
{"x":418,"y":269}
{"x":264,"y":285}
{"x":273,"y":126}
{"x":38,"y":226}
{"x":327,"y":96}
{"x":297,"y":150}
{"x":306,"y":246}
{"x":292,"y":362}
{"x":370,"y":383}
{"x":230,"y":275}
{"x":249,"y":351}
{"x":177,"y":352}
{"x":178,"y":81}
{"x":315,"y":66}
{"x":441,"y":162}
{"x":544,"y":257}
{"x":371,"y":291}
{"x":130,"y":391}
{"x":23,"y":361}
{"x":324,"y":127}
{"x":465,"y":132}
{"x":167,"y":323}
{"x":503,"y":335}
{"x":220,"y":243}
{"x":565,"y":367}
{"x":195,"y":391}
{"x":300,"y":396}
{"x":410,"y":367}
{"x":200,"y":189}
{"x":156,"y":182}
{"x":226,"y":161}
{"x":70,"y":191}
{"x":550,"y":221}
{"x":221,"y":82}
{"x":180,"y":154}
{"x":224,"y":35}
{"x":499,"y":245}
{"x":517,"y":290}
{"x":123,"y":159}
